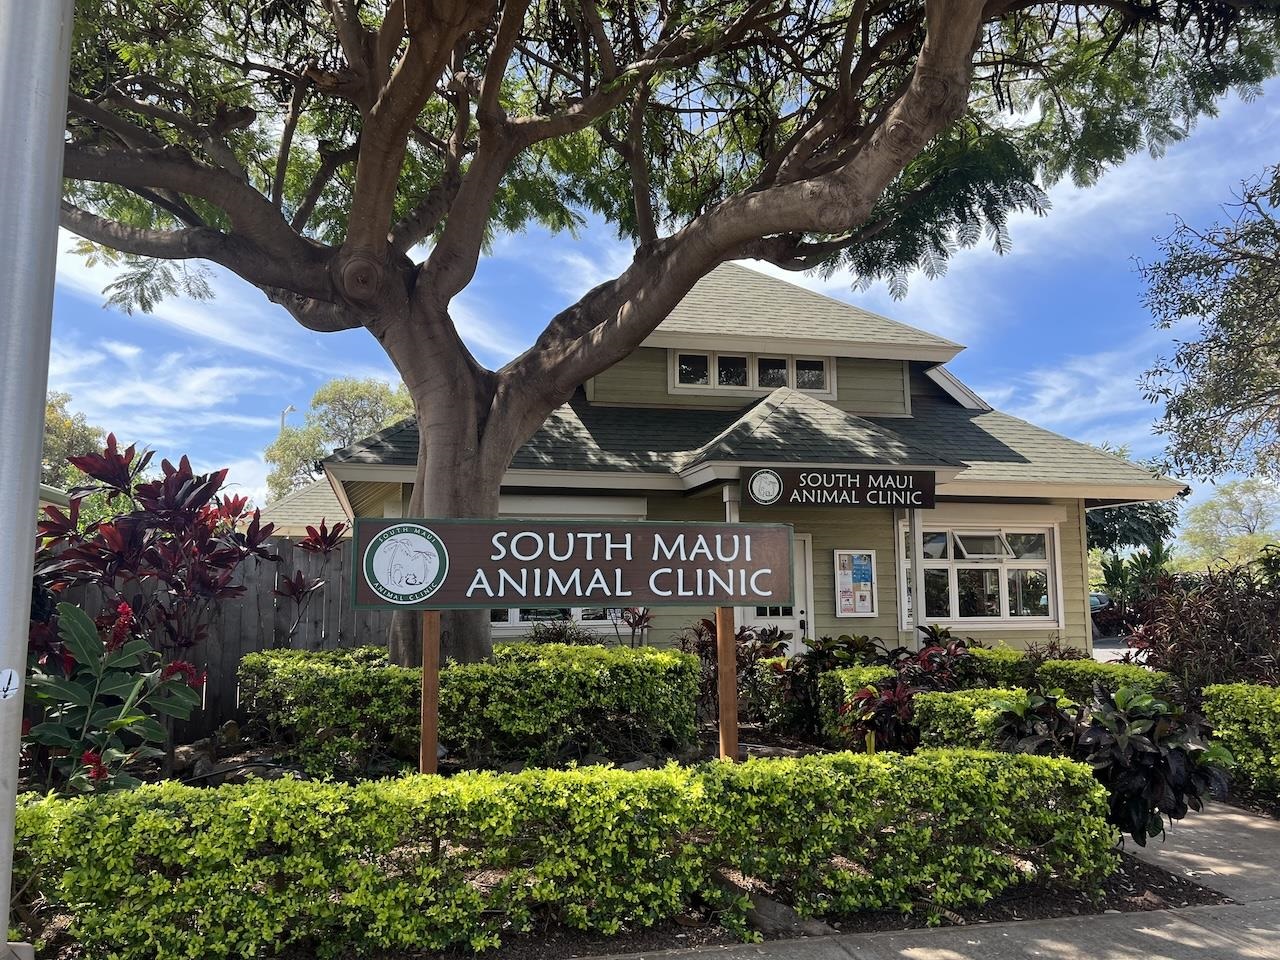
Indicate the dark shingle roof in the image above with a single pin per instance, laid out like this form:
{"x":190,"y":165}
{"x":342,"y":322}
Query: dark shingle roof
{"x":791,"y":426}
{"x":995,"y":446}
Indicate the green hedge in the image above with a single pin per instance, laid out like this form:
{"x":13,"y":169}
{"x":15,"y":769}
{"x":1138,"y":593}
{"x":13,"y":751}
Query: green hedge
{"x":1246,"y":720}
{"x":965,"y":718}
{"x":1076,"y":678}
{"x":423,"y":863}
{"x":837,"y":687}
{"x":349,"y":714}
{"x":1001,"y":667}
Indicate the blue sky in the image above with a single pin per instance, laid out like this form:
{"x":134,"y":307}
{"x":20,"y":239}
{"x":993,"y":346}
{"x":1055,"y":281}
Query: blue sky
{"x":1055,"y":330}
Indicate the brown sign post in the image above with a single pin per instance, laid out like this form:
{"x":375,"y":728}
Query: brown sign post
{"x":840,"y":487}
{"x":433,"y":565}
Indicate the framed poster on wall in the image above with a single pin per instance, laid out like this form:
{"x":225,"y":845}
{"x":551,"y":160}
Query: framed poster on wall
{"x":856,"y":583}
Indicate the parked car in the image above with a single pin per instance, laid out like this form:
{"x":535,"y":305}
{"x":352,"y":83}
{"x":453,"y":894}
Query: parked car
{"x":1099,"y":601}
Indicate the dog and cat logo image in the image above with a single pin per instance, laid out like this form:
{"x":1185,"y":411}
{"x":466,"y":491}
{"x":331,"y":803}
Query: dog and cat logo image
{"x":406,"y":563}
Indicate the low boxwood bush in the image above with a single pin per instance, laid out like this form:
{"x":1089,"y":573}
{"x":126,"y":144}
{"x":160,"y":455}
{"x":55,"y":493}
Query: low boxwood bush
{"x":1246,"y":720}
{"x":1001,"y":667}
{"x":965,"y":718}
{"x":1076,"y":678}
{"x":837,"y":688}
{"x":421,"y":863}
{"x":349,"y":714}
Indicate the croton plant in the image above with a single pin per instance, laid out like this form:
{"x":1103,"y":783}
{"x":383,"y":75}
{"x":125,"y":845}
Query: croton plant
{"x":161,"y":564}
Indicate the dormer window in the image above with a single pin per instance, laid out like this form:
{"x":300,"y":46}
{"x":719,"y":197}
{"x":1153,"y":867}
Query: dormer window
{"x":749,"y":374}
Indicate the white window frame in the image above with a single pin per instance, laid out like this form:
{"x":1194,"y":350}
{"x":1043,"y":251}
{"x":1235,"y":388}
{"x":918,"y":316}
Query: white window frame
{"x":513,"y":627}
{"x":1051,"y":565}
{"x":753,"y":388}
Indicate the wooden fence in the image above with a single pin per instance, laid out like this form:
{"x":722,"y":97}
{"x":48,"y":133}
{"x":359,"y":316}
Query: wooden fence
{"x":259,"y":620}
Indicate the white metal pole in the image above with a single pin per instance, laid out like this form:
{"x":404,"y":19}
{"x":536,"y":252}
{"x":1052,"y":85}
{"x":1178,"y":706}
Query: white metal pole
{"x":35,"y":46}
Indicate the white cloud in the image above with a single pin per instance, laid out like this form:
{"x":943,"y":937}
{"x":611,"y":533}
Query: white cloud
{"x":1092,"y":397}
{"x":246,"y":477}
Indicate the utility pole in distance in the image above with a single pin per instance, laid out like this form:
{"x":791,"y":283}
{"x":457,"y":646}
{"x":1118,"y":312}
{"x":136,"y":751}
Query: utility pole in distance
{"x":35,"y":50}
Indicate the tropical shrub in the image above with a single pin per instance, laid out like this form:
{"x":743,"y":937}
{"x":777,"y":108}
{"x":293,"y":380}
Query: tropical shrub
{"x":351,"y":715}
{"x":430,"y":863}
{"x":1218,"y":626}
{"x":1078,"y":678}
{"x":95,"y":707}
{"x":561,"y":631}
{"x":836,"y":690}
{"x":1150,"y":756}
{"x":785,"y":694}
{"x":170,"y":554}
{"x":963,"y":718}
{"x":1246,"y":720}
{"x":751,"y":647}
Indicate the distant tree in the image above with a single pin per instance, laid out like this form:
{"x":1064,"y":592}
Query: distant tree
{"x":1132,"y":525}
{"x":1235,"y":523}
{"x":1221,"y":389}
{"x":66,"y":434}
{"x":342,"y":411}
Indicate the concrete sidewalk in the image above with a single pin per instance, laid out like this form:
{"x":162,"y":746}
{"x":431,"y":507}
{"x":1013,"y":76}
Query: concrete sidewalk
{"x":1223,"y":848}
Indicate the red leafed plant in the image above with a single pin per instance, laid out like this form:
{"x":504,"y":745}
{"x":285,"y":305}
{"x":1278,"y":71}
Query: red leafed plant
{"x":170,"y":553}
{"x":299,"y":589}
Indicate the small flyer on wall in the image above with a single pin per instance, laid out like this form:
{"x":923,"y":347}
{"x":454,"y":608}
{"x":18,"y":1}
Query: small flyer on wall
{"x":855,"y":583}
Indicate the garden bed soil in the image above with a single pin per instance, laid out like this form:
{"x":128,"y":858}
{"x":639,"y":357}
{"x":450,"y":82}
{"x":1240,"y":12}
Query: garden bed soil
{"x":1135,"y":888}
{"x":1267,"y":805}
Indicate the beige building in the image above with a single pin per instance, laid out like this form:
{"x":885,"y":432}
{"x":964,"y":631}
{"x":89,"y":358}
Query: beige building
{"x":752,"y":374}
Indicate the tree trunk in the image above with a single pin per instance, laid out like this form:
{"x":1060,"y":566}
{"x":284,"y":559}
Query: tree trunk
{"x":461,"y":462}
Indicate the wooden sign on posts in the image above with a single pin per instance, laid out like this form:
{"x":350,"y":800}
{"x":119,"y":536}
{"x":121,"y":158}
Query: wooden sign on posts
{"x":444,"y":564}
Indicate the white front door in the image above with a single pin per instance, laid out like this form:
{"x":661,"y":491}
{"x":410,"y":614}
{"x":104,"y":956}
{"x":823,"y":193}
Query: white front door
{"x":796,"y":618}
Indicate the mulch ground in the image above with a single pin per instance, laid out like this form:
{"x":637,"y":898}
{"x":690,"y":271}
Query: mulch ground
{"x":1267,"y":805}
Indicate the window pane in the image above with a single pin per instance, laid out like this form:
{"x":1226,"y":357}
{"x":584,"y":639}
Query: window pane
{"x":979,"y":592}
{"x":1028,"y":593}
{"x":773,"y":612}
{"x":499,"y":616}
{"x":977,"y":545}
{"x":935,"y":544}
{"x":694,"y":368}
{"x":811,"y":374}
{"x":771,"y":371}
{"x":601,"y":614}
{"x":937,"y":594}
{"x":731,"y":371}
{"x":1027,"y":546}
{"x":545,"y":613}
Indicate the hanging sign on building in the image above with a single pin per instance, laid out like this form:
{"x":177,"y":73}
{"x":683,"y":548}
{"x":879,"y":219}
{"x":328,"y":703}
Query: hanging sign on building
{"x":839,"y":487}
{"x":459,"y":564}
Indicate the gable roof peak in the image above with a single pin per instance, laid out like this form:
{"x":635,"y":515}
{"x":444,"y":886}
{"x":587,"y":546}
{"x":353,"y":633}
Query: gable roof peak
{"x":739,"y":304}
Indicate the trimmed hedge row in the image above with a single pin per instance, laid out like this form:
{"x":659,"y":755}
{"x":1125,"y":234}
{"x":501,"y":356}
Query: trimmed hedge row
{"x":838,"y":687}
{"x":171,"y":872}
{"x":1001,"y":667}
{"x":1076,"y":678}
{"x":1246,"y":720}
{"x":965,"y":718}
{"x":349,"y":713}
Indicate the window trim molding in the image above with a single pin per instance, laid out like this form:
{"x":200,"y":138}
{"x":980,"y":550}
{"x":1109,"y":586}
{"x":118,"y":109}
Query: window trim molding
{"x":1052,"y":565}
{"x":752,"y":389}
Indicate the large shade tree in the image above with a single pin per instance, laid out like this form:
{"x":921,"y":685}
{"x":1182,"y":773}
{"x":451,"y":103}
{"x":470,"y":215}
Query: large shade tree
{"x":351,"y":158}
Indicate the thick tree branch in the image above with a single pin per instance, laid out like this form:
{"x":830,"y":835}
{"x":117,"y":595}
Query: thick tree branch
{"x":235,"y":253}
{"x":612,"y":319}
{"x":171,"y":168}
{"x":330,"y":162}
{"x":286,"y":139}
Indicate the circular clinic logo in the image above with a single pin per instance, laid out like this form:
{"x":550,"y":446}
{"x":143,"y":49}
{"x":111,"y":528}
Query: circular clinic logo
{"x":765,"y":487}
{"x":405,"y":563}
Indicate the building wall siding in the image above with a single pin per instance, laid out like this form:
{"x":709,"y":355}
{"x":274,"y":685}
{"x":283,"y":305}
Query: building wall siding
{"x":835,"y":529}
{"x":863,"y":386}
